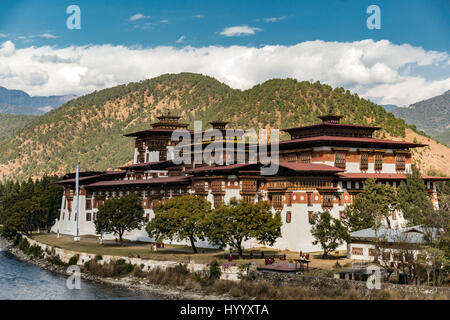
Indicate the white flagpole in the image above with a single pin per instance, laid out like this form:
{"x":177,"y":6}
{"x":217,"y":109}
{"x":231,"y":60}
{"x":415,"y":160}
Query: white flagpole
{"x":77,"y":204}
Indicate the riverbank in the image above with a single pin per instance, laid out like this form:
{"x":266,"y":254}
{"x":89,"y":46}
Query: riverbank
{"x":126,"y":283}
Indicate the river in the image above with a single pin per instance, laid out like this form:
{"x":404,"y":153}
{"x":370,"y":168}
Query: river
{"x":23,"y":281}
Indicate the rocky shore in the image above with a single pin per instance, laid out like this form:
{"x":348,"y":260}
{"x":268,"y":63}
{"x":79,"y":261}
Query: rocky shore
{"x":127,"y":283}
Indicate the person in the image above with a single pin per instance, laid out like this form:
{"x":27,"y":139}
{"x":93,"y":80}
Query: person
{"x":307,"y":256}
{"x":230,"y":257}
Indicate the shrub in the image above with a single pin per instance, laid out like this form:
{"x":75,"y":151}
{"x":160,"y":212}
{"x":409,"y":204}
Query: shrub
{"x":98,"y":257}
{"x":74,"y":260}
{"x":54,"y":259}
{"x":214,"y":270}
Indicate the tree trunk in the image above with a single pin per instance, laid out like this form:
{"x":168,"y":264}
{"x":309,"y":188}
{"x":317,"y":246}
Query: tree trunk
{"x":194,"y":248}
{"x":241,"y":254}
{"x":325,"y":254}
{"x":120,"y":239}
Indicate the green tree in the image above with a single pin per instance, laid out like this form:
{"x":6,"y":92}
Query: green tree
{"x":413,"y":198}
{"x":374,"y":203}
{"x":118,"y":215}
{"x":239,"y":221}
{"x":180,"y":218}
{"x":329,"y":232}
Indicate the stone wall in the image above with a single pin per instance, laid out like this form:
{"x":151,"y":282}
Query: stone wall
{"x":230,"y":273}
{"x":333,"y":284}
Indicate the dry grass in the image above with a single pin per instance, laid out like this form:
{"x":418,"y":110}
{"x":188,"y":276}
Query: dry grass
{"x":179,"y":253}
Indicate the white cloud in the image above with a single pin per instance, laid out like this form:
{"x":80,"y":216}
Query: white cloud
{"x":180,"y":39}
{"x":239,"y":31}
{"x":7,"y":48}
{"x":274,"y":19}
{"x":164,"y":21}
{"x":198,"y":16}
{"x":3,"y":35}
{"x":48,"y":36}
{"x":138,"y":16}
{"x":373,"y":69}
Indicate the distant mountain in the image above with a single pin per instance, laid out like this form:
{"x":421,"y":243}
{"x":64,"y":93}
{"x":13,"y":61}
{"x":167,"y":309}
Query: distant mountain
{"x":389,"y":107}
{"x":11,"y":123}
{"x":20,"y":102}
{"x":90,"y":129}
{"x":443,"y":137}
{"x":431,"y":116}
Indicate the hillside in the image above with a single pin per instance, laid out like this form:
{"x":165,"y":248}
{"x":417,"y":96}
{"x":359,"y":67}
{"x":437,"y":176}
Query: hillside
{"x":431,"y":116}
{"x":443,"y":137}
{"x":20,"y":102}
{"x":11,"y":123}
{"x":90,"y":129}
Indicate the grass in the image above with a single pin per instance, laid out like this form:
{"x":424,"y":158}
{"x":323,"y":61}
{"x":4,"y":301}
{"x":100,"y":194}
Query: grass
{"x":177,"y":253}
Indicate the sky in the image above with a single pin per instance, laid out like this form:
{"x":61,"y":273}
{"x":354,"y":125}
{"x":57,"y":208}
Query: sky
{"x":241,"y":43}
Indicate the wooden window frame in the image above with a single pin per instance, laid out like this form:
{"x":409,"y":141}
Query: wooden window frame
{"x":378,"y":162}
{"x":340,"y":159}
{"x":364,"y":161}
{"x":306,"y":157}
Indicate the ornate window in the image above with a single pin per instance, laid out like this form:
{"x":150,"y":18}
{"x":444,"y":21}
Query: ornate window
{"x":277,"y":201}
{"x":305,"y":157}
{"x":357,"y":251}
{"x":339,"y":160}
{"x":162,"y":155}
{"x":249,"y":199}
{"x":364,"y":164}
{"x":378,"y":161}
{"x":400,"y":161}
{"x":218,"y":201}
{"x":327,"y":200}
{"x":249,"y":186}
{"x":88,"y":216}
{"x":291,"y":157}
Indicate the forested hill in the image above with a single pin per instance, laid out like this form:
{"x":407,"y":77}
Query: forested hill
{"x":11,"y":123}
{"x":90,"y":129}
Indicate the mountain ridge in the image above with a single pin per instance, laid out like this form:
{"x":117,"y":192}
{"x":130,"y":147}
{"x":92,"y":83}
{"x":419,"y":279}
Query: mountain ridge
{"x":90,"y":129}
{"x":19,"y":102}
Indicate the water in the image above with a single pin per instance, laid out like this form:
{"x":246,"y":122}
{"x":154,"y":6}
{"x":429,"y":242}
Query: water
{"x":23,"y":281}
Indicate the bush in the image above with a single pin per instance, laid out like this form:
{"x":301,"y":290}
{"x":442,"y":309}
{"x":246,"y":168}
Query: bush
{"x":214,"y":270}
{"x":74,"y":260}
{"x":98,"y":257}
{"x":54,"y":259}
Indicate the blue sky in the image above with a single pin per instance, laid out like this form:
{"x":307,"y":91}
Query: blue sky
{"x":419,"y":23}
{"x":241,"y":43}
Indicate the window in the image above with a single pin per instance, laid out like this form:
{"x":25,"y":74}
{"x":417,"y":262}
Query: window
{"x":305,"y":157}
{"x":357,"y":251}
{"x":88,"y":204}
{"x":341,"y":215}
{"x":249,"y":199}
{"x":63,"y":215}
{"x":292,"y":157}
{"x":288,"y":216}
{"x":339,"y":161}
{"x":147,"y":217}
{"x":88,"y":216}
{"x":310,"y":216}
{"x":94,"y":215}
{"x":378,"y":161}
{"x":70,"y":213}
{"x":162,"y":155}
{"x":372,"y":252}
{"x":218,"y":201}
{"x":289,"y":199}
{"x":400,"y":162}
{"x":309,"y":199}
{"x":277,"y":201}
{"x":327,"y":200}
{"x":364,"y":164}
